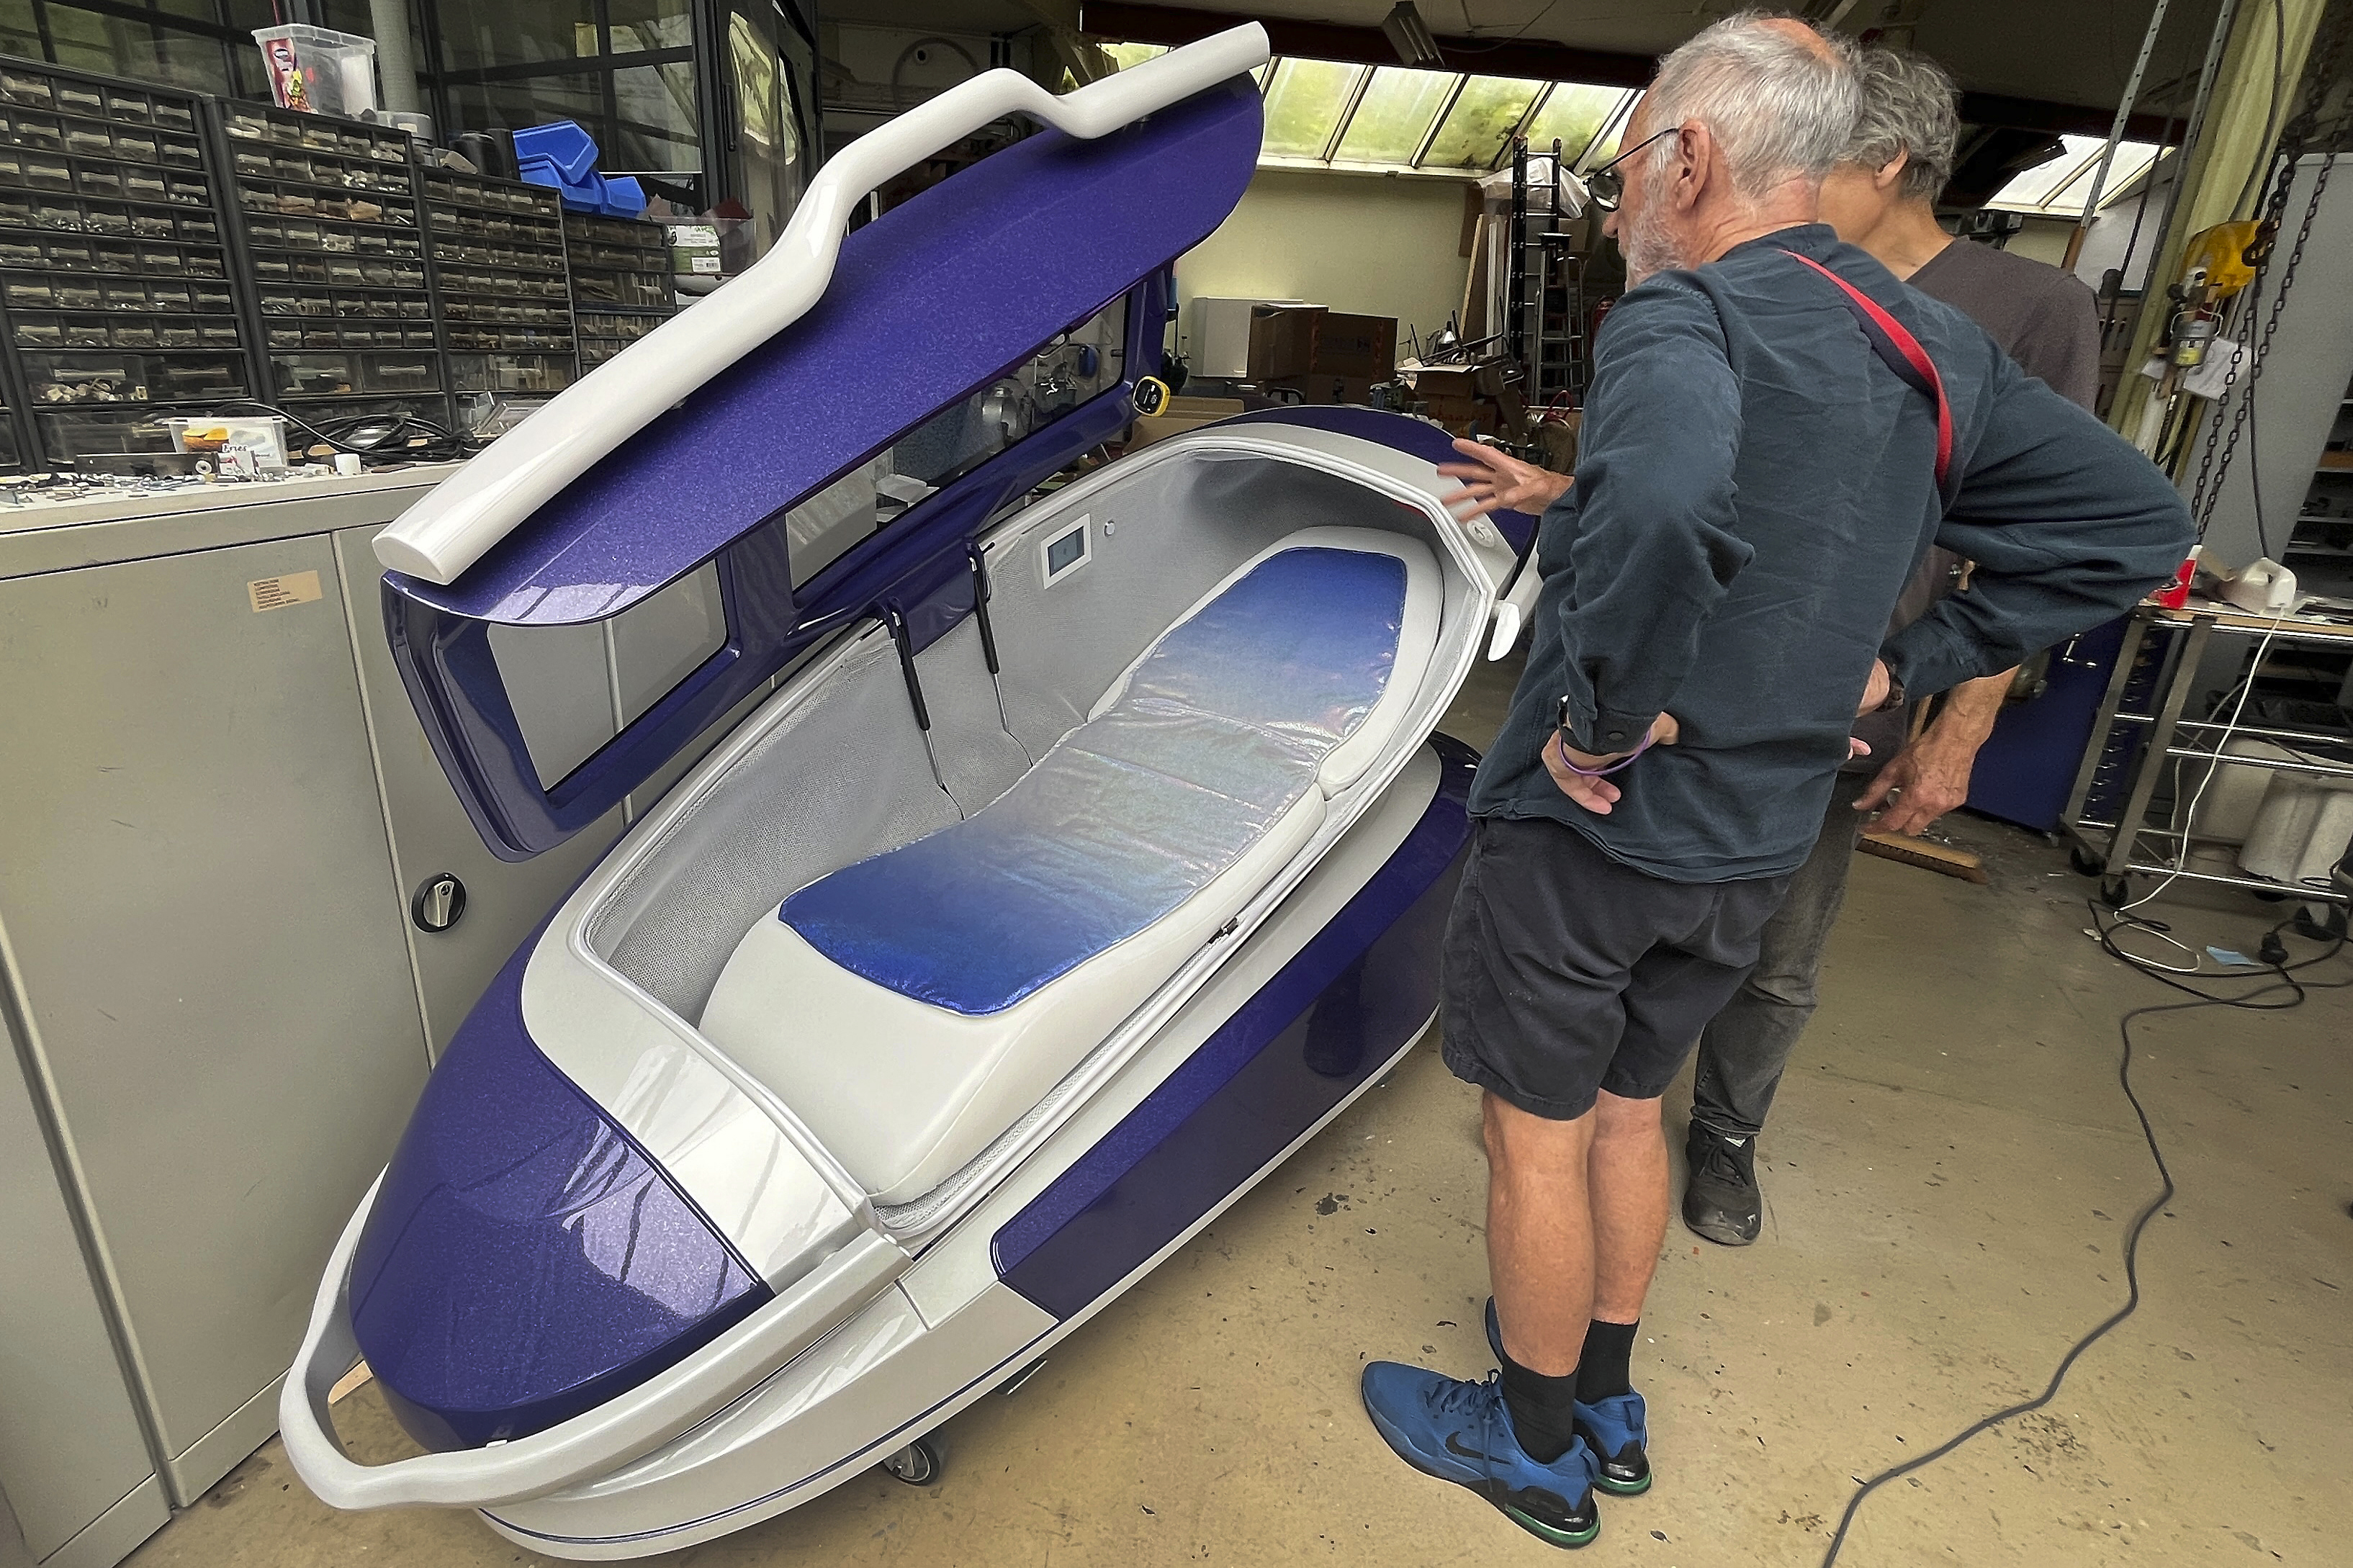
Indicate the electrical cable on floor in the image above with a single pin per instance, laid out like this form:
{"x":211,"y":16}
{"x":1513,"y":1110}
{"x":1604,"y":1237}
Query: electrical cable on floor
{"x":2286,"y":980}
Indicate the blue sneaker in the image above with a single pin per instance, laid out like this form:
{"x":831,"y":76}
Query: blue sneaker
{"x":1618,"y":1431}
{"x":1460,"y":1432}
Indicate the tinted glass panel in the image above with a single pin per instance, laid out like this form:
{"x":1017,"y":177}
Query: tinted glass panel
{"x":657,"y":128}
{"x":516,"y":32}
{"x":871,"y":498}
{"x":1303,"y":102}
{"x":649,"y":25}
{"x":535,"y":100}
{"x":1473,"y":136}
{"x":1394,"y":115}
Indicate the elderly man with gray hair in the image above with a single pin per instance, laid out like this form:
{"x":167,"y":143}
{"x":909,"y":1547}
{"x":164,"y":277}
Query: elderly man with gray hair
{"x":1777,"y":431}
{"x":1882,"y":196}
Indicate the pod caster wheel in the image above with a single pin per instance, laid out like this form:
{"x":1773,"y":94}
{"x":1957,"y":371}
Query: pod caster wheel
{"x":918,"y":1464}
{"x":2086,"y":863}
{"x":2115,"y":891}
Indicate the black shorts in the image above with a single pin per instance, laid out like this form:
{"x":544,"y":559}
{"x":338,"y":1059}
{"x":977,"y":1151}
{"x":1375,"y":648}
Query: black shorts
{"x":1567,"y":973}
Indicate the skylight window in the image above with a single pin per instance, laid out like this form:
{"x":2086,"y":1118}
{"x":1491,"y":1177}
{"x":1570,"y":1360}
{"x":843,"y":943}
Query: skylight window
{"x":1393,"y":118}
{"x":1478,"y":129}
{"x":1305,"y":100}
{"x":2059,"y":187}
{"x":1575,"y":117}
{"x":1397,"y":119}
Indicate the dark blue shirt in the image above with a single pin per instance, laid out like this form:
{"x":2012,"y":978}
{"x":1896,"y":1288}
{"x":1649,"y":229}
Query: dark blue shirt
{"x":1753,"y":487}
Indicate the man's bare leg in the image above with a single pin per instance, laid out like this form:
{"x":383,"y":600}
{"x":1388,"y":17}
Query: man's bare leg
{"x":1627,"y":1176}
{"x":1540,"y":1233}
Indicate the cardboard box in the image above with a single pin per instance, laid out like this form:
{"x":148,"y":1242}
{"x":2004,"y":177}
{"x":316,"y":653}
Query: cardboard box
{"x":1482,"y":380}
{"x":1219,"y":334}
{"x":1364,"y":347}
{"x":1282,"y":341}
{"x":1182,"y":414}
{"x":1318,"y":387}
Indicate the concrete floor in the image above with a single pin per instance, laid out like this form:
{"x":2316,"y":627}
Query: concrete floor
{"x":1948,"y":1181}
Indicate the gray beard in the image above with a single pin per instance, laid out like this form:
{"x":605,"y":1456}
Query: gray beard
{"x":1645,"y":244}
{"x":1648,"y":249}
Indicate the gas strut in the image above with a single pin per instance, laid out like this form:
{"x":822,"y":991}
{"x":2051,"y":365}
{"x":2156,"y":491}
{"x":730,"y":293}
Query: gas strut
{"x":980,"y":595}
{"x":905,"y":643}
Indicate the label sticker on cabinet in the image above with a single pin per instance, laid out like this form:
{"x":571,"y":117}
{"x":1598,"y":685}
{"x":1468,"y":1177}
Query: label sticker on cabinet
{"x":277,"y":592}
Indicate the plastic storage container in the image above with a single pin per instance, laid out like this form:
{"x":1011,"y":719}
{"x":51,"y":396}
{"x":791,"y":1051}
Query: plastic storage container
{"x":318,"y":69}
{"x":563,"y":157}
{"x":262,"y":435}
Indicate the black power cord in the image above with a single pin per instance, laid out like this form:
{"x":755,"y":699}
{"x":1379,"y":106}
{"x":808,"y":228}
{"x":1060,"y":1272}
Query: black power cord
{"x":2286,"y":980}
{"x":378,"y":437}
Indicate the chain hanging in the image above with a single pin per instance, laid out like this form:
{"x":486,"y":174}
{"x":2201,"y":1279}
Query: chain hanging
{"x":2300,"y":134}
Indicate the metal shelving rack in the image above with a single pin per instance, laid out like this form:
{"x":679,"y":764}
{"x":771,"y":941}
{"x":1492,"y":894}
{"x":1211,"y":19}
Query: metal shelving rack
{"x":497,"y":253}
{"x":326,"y":229}
{"x":118,"y":301}
{"x":621,"y":287}
{"x":2111,"y":848}
{"x":1544,"y":307}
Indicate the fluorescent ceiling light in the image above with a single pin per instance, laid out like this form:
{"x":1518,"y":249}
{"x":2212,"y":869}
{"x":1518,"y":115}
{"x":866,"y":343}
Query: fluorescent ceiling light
{"x":1409,"y":37}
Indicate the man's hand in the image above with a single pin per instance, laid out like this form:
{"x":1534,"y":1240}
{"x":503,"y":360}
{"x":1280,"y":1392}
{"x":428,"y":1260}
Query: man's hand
{"x":1925,"y":780}
{"x":1931,"y":775}
{"x":1875,"y":689}
{"x":1495,"y":481}
{"x":1597,"y":795}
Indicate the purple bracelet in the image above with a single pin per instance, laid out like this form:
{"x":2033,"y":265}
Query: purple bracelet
{"x":1625,"y":762}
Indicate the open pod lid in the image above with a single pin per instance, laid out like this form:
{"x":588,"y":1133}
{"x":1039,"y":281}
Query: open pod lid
{"x":943,"y":359}
{"x":830,"y":349}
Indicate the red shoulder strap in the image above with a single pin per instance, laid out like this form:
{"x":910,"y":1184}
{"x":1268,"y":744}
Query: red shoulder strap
{"x":1902,"y":353}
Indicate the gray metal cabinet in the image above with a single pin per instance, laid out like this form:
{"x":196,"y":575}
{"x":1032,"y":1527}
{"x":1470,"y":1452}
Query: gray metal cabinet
{"x":203,"y":921}
{"x":84,"y":1490}
{"x":215,"y":805}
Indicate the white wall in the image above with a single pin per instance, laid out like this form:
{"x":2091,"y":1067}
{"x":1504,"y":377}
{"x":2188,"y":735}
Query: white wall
{"x":1370,"y":244}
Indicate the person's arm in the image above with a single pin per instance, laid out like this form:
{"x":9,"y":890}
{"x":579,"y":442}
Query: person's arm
{"x":2069,"y":526}
{"x":1930,"y":775}
{"x":1654,"y":548}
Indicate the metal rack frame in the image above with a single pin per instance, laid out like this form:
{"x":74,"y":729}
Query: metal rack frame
{"x":222,"y":145}
{"x":24,"y":411}
{"x":2109,"y":848}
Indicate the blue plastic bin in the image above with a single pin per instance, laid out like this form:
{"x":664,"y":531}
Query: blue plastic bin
{"x":623,"y":197}
{"x":563,"y":143}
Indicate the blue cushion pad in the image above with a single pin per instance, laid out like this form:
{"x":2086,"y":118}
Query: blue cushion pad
{"x":1220,"y":731}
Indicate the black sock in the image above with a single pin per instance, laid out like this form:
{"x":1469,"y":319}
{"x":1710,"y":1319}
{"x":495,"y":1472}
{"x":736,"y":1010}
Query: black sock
{"x":1543,"y":1410}
{"x":1604,"y":1370}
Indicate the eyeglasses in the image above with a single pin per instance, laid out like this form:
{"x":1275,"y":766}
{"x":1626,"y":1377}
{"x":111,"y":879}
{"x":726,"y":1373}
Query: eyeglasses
{"x":1605,"y":185}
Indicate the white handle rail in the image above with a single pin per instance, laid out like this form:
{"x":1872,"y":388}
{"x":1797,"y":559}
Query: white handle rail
{"x":632,"y":1423}
{"x":458,"y":521}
